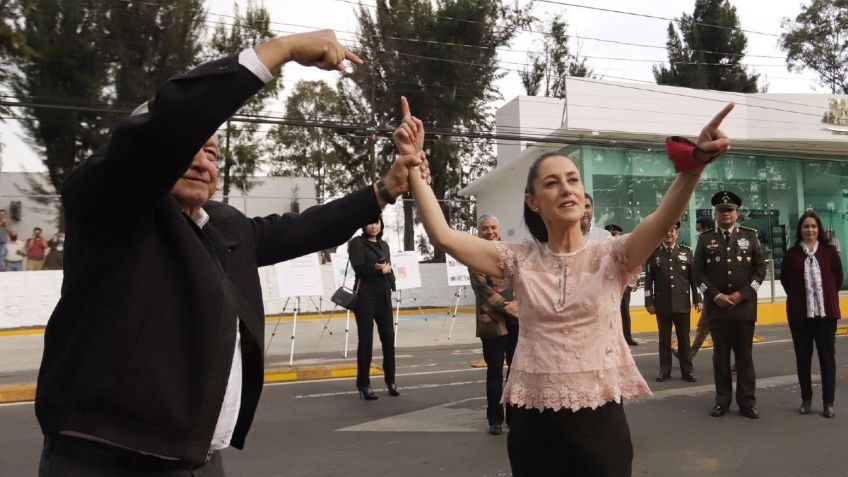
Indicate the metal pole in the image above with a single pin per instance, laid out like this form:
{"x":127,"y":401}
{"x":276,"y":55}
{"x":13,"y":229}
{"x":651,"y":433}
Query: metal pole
{"x":458,"y":294}
{"x":397,"y":315}
{"x":294,"y":329}
{"x":347,"y":331}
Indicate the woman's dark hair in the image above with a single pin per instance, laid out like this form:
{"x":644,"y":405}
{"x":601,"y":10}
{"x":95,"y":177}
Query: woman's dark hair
{"x":379,"y":218}
{"x":706,"y":222}
{"x":810,"y":214}
{"x":532,"y":220}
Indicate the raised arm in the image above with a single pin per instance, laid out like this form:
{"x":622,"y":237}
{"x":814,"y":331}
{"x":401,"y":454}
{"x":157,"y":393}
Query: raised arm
{"x":712,"y":142}
{"x":474,"y":252}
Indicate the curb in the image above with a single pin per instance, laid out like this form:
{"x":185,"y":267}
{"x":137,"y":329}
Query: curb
{"x":14,"y":393}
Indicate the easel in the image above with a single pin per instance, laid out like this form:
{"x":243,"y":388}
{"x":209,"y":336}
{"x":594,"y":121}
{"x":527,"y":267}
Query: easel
{"x":294,"y":327}
{"x":460,"y":292}
{"x":397,"y":310}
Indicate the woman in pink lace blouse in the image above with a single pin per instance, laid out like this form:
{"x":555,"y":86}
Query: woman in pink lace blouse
{"x":572,"y":368}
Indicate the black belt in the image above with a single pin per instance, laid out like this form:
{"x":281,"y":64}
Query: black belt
{"x":86,"y":449}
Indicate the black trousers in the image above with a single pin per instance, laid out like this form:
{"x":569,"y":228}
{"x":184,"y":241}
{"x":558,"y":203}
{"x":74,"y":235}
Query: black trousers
{"x":495,"y":352}
{"x":681,"y":328}
{"x":374,"y":308}
{"x":736,"y":336}
{"x":585,"y":443}
{"x":625,"y":316}
{"x":822,"y":333}
{"x":64,"y":456}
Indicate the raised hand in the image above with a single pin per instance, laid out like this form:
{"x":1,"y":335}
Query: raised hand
{"x":712,"y":142}
{"x":319,"y":48}
{"x":409,"y":136}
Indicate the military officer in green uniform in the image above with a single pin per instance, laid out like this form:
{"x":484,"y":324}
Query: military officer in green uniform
{"x":670,"y":291}
{"x":729,"y":268}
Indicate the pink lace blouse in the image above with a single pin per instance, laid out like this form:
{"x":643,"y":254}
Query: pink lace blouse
{"x":571,"y":351}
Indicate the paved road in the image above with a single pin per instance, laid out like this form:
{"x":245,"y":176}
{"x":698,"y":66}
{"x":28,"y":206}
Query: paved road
{"x":437,"y":426}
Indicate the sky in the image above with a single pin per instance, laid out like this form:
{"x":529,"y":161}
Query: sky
{"x":290,"y":16}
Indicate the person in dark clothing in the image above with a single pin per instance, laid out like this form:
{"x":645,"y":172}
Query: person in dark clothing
{"x":371,"y":260}
{"x":624,"y":306}
{"x":153,"y":357}
{"x":811,"y":274}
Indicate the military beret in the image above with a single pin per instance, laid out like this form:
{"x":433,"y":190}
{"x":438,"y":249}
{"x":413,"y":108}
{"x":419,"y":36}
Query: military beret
{"x":613,"y":228}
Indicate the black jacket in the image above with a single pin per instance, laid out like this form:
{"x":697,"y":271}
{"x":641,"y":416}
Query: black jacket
{"x":363,"y":256}
{"x":668,"y":280}
{"x":139,"y":347}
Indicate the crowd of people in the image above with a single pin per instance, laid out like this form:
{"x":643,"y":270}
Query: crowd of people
{"x":131,"y":385}
{"x":32,"y":254}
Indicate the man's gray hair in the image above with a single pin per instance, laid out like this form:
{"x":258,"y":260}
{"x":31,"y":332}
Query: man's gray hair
{"x":487,"y":217}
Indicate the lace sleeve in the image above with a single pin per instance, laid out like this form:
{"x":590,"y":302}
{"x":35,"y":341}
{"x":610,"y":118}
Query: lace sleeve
{"x":510,"y":254}
{"x":621,"y":266}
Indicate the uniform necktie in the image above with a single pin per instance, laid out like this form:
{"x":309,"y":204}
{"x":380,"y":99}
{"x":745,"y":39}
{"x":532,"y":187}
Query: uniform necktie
{"x":727,"y":236}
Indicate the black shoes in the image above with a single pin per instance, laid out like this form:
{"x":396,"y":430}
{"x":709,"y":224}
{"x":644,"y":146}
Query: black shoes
{"x":828,"y":411}
{"x":689,"y":378}
{"x":806,"y":406}
{"x":749,"y":412}
{"x":496,"y":429}
{"x":365,"y":392}
{"x":663,"y":377}
{"x":393,"y":389}
{"x":718,"y":411}
{"x":631,"y":341}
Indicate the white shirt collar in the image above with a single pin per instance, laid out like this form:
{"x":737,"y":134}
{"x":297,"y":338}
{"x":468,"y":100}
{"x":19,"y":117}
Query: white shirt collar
{"x":202,"y":218}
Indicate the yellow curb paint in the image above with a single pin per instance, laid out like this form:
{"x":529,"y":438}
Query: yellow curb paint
{"x":342,"y":315}
{"x":17,"y":393}
{"x":842,"y":331}
{"x":307,"y":373}
{"x":22,"y":332}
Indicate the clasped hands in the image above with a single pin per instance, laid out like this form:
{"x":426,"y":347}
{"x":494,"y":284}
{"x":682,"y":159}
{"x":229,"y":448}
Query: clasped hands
{"x":728,"y":301}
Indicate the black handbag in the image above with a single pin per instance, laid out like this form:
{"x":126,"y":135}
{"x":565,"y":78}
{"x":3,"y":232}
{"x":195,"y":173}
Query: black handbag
{"x":344,"y":297}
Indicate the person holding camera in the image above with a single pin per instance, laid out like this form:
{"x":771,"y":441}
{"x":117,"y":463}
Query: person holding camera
{"x":370,"y":258}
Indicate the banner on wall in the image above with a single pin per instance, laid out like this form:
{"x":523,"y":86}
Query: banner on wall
{"x":457,"y":273}
{"x":300,"y":277}
{"x":405,"y":267}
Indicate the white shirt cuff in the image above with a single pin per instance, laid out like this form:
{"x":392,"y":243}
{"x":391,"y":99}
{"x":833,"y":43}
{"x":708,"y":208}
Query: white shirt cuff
{"x":249,"y":60}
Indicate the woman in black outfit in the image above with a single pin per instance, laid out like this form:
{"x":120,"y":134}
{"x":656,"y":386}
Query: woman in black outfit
{"x":371,"y":260}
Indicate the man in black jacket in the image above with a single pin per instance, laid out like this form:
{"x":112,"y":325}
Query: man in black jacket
{"x":153,"y":356}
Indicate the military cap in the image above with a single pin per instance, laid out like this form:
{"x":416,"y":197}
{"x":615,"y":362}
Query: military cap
{"x":726,"y":198}
{"x":677,"y":225}
{"x":613,"y":228}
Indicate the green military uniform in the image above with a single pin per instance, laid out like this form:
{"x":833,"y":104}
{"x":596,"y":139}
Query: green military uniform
{"x":729,"y":262}
{"x":671,"y":290}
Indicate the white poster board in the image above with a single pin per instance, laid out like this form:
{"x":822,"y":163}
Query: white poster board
{"x":28,"y":298}
{"x":457,"y":273}
{"x":338,"y":263}
{"x":405,"y":267}
{"x":300,"y":277}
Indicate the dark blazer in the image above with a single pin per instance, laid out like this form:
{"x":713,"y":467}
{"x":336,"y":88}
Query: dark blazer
{"x":669,"y":281}
{"x":140,"y":345}
{"x":792,"y":279}
{"x":728,"y":267}
{"x":363,"y":256}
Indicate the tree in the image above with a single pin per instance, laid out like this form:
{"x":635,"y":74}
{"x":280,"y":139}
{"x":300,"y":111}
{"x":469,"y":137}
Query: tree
{"x":818,"y":40}
{"x":67,"y":66}
{"x":443,"y":57}
{"x":546,"y":72}
{"x":317,"y":152}
{"x":12,"y":42}
{"x":710,"y":53}
{"x":151,"y":42}
{"x":240,"y":149}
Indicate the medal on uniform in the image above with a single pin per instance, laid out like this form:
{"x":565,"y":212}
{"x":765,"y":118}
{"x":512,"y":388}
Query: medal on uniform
{"x":738,"y":258}
{"x":743,"y":243}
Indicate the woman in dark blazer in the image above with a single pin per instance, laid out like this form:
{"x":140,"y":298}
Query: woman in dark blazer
{"x":811,"y":274}
{"x":371,"y":260}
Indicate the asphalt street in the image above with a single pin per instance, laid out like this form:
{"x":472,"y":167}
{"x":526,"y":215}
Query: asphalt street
{"x":437,"y":426}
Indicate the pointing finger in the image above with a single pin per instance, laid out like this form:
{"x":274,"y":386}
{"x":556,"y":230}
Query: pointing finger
{"x":716,"y":121}
{"x":404,"y":106}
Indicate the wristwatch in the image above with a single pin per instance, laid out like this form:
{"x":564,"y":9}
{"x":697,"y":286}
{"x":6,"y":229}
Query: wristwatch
{"x":384,"y":193}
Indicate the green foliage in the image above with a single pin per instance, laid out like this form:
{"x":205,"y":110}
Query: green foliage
{"x":453,"y":94}
{"x":710,"y":53}
{"x":422,"y":245}
{"x":12,"y":42}
{"x":317,"y":152}
{"x":151,"y":42}
{"x":818,"y":40}
{"x":241,"y":149}
{"x":547,"y":71}
{"x":67,"y":65}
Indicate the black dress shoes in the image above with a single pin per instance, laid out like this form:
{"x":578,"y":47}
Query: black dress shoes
{"x":828,"y":411}
{"x":393,"y":389}
{"x":496,"y":429}
{"x":663,"y":377}
{"x":718,"y":411}
{"x":689,"y":378}
{"x":806,"y":406}
{"x":749,"y":412}
{"x":365,"y":392}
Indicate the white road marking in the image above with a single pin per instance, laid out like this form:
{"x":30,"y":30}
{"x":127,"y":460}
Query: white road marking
{"x":404,"y":388}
